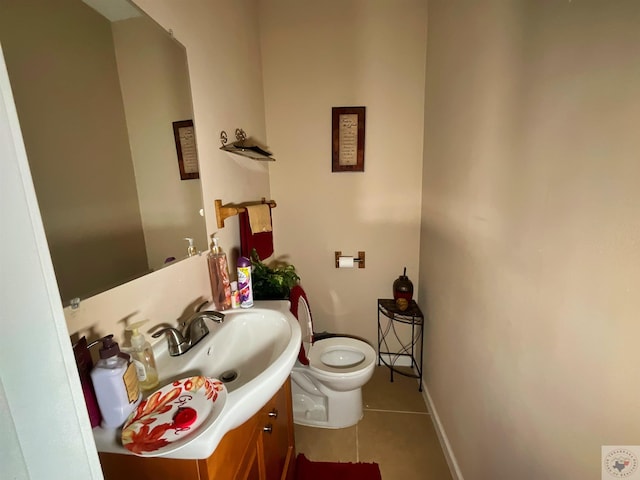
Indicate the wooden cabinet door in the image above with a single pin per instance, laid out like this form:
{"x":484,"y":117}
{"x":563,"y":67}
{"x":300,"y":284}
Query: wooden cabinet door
{"x":277,"y":435}
{"x":236,"y":454}
{"x":254,"y":472}
{"x":116,"y":466}
{"x":250,"y":469}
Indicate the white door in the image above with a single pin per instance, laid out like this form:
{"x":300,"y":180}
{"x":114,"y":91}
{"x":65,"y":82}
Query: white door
{"x":44,"y":428}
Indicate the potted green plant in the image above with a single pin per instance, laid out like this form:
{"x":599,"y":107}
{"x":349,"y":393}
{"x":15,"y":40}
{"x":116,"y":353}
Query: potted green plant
{"x":272,"y":282}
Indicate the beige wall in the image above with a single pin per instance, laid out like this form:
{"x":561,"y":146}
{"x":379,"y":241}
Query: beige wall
{"x":530,"y":232}
{"x":154,"y":77}
{"x":318,"y":55}
{"x":66,"y":89}
{"x":224,"y":62}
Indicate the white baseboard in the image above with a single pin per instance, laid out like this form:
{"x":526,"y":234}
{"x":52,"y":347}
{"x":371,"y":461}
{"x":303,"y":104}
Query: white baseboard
{"x":442,"y":436}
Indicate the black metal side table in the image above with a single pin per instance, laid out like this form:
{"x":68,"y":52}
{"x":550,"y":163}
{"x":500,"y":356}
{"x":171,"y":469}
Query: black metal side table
{"x":391,"y":318}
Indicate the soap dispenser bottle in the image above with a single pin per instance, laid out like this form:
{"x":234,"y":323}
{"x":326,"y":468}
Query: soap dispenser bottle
{"x":191,"y":249}
{"x":143,"y":358}
{"x":219,"y":276}
{"x":116,"y":384}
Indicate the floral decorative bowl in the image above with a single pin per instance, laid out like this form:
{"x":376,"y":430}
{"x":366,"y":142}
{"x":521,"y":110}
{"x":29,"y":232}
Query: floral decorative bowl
{"x":172,"y":415}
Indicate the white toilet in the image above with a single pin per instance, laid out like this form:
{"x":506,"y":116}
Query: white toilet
{"x":328,"y":376}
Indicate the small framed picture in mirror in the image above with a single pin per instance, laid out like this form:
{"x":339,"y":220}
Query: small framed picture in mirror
{"x":185,"y":138}
{"x":347,"y":135}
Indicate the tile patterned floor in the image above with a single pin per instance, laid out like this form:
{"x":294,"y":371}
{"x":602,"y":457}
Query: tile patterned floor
{"x":396,"y":432}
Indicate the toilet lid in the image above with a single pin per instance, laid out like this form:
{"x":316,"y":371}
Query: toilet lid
{"x":300,"y":309}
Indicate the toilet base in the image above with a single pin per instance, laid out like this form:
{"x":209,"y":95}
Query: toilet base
{"x":321,"y":407}
{"x":307,"y":411}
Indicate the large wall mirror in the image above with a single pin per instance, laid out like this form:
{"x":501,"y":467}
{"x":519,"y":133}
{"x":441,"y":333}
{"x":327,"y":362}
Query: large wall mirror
{"x":97,"y":92}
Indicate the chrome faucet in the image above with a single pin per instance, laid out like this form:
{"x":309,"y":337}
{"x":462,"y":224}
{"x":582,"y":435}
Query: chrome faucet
{"x":193,"y":330}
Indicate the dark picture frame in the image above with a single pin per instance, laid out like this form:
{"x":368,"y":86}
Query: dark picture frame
{"x":185,"y":138}
{"x":347,"y":139}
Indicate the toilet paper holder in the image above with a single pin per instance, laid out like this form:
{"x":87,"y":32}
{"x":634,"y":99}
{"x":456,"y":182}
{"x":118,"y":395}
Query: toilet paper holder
{"x":359,"y":259}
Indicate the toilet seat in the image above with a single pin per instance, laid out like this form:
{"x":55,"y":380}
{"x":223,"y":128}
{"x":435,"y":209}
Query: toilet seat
{"x":300,"y":309}
{"x":320,"y":347}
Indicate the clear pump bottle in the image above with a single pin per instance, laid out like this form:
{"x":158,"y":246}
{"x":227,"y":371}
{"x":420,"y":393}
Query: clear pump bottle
{"x":191,"y":249}
{"x":143,"y":358}
{"x":219,"y":276}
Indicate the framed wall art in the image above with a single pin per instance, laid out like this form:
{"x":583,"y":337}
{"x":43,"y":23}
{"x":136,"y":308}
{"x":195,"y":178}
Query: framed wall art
{"x":185,"y":138}
{"x":347,"y":139}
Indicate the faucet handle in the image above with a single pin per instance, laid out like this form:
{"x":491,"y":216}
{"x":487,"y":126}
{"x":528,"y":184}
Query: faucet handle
{"x":177,"y":344}
{"x":202,"y":305}
{"x":197,"y":329}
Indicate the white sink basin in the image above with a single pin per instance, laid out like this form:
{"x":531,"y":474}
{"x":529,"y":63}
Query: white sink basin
{"x":258,"y":346}
{"x":246,"y":344}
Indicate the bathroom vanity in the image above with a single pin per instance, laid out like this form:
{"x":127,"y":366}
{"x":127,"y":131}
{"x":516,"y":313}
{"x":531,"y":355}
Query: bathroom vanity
{"x":251,"y":436}
{"x":262,"y":448}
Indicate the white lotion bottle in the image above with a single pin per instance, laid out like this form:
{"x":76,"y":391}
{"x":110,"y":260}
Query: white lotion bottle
{"x":116,"y":384}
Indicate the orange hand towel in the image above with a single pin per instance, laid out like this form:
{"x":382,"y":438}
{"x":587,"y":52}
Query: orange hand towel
{"x":259,"y":218}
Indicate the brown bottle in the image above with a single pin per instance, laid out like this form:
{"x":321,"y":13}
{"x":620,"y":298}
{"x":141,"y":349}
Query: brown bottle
{"x":403,"y":291}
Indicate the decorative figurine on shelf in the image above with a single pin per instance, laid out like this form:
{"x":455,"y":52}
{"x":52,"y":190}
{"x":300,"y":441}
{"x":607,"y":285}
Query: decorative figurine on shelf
{"x":403,"y":291}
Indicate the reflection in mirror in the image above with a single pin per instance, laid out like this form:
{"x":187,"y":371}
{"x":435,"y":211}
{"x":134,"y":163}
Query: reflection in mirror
{"x":97,"y":98}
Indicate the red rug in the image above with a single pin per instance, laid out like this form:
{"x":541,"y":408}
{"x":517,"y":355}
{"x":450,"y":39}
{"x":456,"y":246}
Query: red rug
{"x":308,"y":470}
